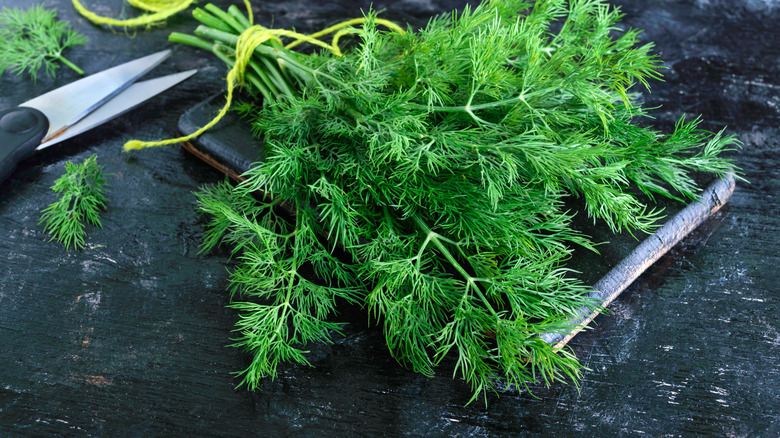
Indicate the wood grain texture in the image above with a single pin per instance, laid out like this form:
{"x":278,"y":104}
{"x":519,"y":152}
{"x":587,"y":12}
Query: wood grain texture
{"x":127,"y":337}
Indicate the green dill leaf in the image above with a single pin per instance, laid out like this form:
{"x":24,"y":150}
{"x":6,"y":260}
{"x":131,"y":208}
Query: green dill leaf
{"x":81,"y":190}
{"x":34,"y":38}
{"x":425,"y":175}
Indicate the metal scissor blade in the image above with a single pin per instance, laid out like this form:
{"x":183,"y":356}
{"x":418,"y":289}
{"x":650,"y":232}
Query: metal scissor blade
{"x":70,"y":103}
{"x":128,"y":99}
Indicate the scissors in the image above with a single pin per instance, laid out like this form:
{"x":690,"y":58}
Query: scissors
{"x":77,"y":107}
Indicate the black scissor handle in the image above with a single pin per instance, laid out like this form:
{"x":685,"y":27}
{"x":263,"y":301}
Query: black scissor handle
{"x":21,"y":131}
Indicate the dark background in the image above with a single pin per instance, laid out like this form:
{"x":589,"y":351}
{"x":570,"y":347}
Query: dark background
{"x":127,"y":337}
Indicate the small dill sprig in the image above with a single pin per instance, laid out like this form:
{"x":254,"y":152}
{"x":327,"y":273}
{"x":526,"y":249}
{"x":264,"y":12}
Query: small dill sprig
{"x":34,"y":38}
{"x":81,"y":191}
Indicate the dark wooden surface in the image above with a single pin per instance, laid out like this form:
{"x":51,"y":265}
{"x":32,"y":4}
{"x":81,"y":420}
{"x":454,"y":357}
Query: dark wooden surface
{"x":127,"y":337}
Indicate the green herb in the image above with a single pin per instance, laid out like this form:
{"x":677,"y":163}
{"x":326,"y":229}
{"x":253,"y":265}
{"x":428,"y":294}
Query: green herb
{"x":81,"y":191}
{"x":440,"y":161}
{"x":34,"y":38}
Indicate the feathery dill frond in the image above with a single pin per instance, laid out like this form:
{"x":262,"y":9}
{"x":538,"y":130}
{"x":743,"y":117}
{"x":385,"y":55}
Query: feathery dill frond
{"x":34,"y":38}
{"x":81,"y":190}
{"x":440,"y":162}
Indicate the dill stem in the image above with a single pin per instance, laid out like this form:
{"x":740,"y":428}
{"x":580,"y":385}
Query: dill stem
{"x":239,"y":16}
{"x":273,"y":76}
{"x":259,"y":82}
{"x":225,"y":17}
{"x":471,"y":281}
{"x":71,"y":65}
{"x":270,"y":50}
{"x":209,"y":20}
{"x":469,"y":107}
{"x":256,"y":77}
{"x":191,"y":40}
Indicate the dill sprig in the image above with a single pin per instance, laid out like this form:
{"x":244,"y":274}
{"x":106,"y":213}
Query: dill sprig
{"x":81,"y":190}
{"x":441,"y":161}
{"x":35,"y":38}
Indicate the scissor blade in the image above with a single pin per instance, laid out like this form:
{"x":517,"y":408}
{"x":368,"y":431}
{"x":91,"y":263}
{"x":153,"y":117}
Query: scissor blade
{"x":70,"y":103}
{"x":128,"y":99}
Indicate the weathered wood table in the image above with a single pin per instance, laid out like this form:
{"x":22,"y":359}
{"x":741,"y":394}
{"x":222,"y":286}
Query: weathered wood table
{"x":128,"y":337}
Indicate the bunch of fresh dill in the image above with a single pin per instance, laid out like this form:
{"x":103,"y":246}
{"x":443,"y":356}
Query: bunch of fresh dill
{"x":82,"y":195}
{"x":440,"y":161}
{"x":35,"y":38}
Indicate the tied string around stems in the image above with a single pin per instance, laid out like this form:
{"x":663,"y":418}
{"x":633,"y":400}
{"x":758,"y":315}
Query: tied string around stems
{"x":245,"y":47}
{"x":160,"y":11}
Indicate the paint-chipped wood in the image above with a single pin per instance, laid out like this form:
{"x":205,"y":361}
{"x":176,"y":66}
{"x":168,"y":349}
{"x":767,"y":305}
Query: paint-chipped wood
{"x":128,"y":337}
